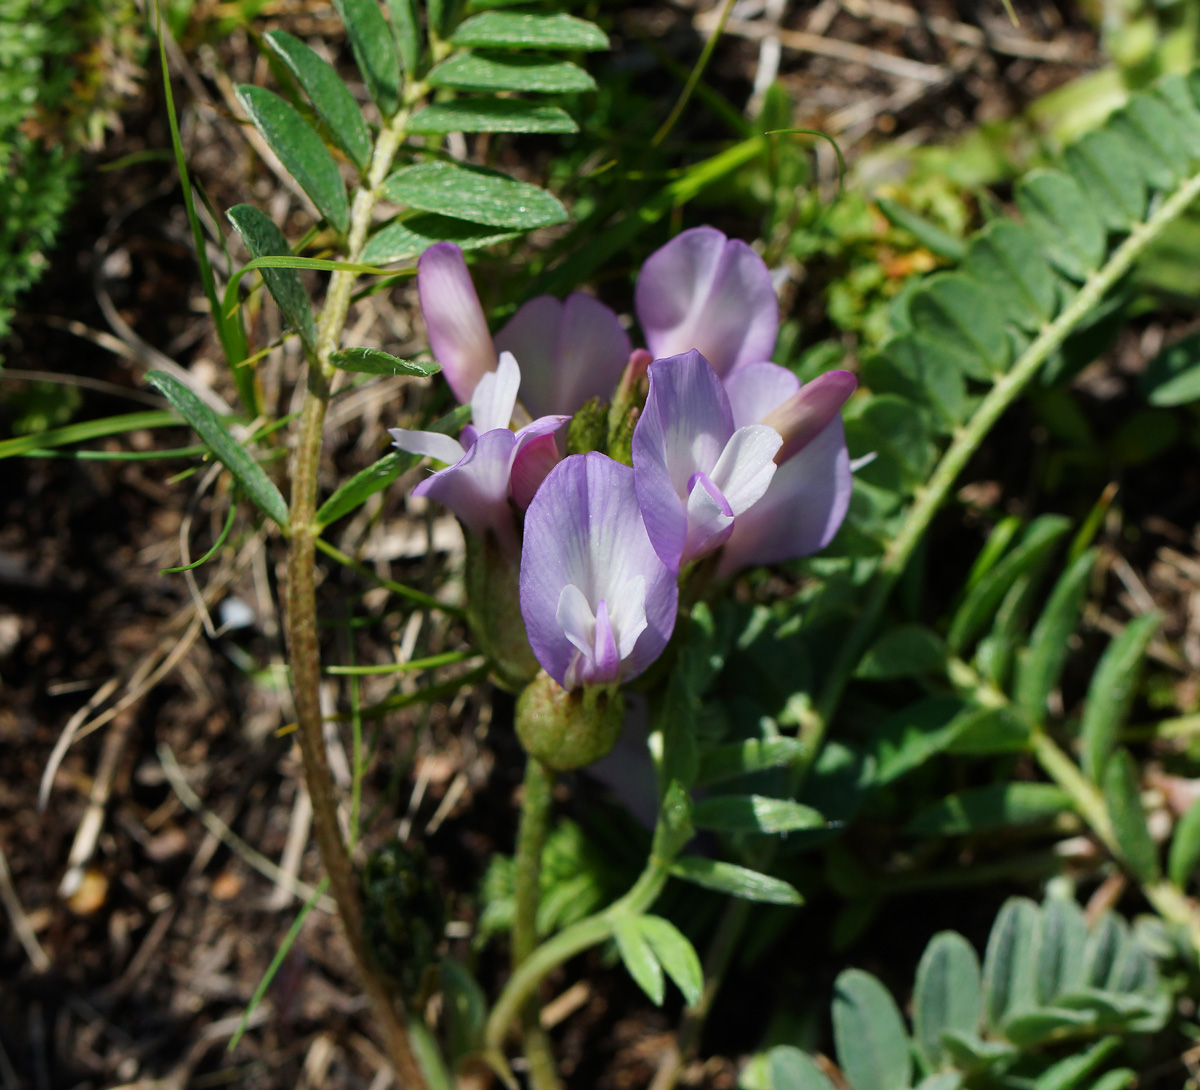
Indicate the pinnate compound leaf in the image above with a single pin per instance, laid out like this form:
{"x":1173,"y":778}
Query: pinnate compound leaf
{"x":515,"y":72}
{"x":1111,"y":692}
{"x":872,"y":1047}
{"x":523,"y":31}
{"x":639,"y":958}
{"x":471,"y":193}
{"x":264,"y":239}
{"x":300,"y":150}
{"x":1061,"y":216}
{"x":1041,"y":665}
{"x":413,"y":235}
{"x":407,"y":32}
{"x":908,"y":650}
{"x":1128,"y":816}
{"x":1008,"y":965}
{"x":383,"y":473}
{"x":1173,"y":376}
{"x":948,"y":994}
{"x":491,"y":115}
{"x":753,"y":814}
{"x":736,"y":759}
{"x":995,"y":806}
{"x":1185,"y":847}
{"x":226,"y":449}
{"x":330,"y":97}
{"x":982,"y":600}
{"x":739,"y":881}
{"x":374,"y":51}
{"x":675,"y":954}
{"x":372,"y":361}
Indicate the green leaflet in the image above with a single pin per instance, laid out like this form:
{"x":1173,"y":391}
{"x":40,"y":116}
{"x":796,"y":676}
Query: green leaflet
{"x":227,"y":450}
{"x":374,"y":51}
{"x":510,"y":72}
{"x":491,"y":115}
{"x":639,"y":959}
{"x":753,"y":814}
{"x":676,"y":955}
{"x":372,"y":361}
{"x":406,"y":29}
{"x":1125,"y":810}
{"x":1006,"y":260}
{"x":927,"y":234}
{"x":908,"y":650}
{"x":957,"y":311}
{"x":1106,"y":168}
{"x":872,"y":1047}
{"x":1185,"y":847}
{"x":1111,"y":691}
{"x":471,"y":193}
{"x":521,"y":31}
{"x":948,"y":994}
{"x":411,"y":236}
{"x":300,"y":150}
{"x":735,"y":880}
{"x":994,"y":806}
{"x":736,"y":759}
{"x":330,"y":97}
{"x":1009,"y":967}
{"x":1173,"y":376}
{"x":264,"y":239}
{"x":1063,"y":218}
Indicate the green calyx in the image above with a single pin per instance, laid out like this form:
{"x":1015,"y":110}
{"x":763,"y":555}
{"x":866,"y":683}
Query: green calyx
{"x":568,"y":729}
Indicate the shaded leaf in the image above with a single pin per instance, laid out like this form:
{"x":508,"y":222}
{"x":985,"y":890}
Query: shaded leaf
{"x":226,"y":449}
{"x":927,"y":234}
{"x":912,"y":735}
{"x":741,"y":758}
{"x":471,"y":193}
{"x":1128,"y":816}
{"x":330,"y":97}
{"x":908,"y":650}
{"x":1029,"y":1029}
{"x":512,"y":72}
{"x":738,"y":881}
{"x":300,"y":150}
{"x":1173,"y":376}
{"x":1185,"y":847}
{"x":994,"y":806}
{"x":491,"y":115}
{"x":264,"y":239}
{"x":948,"y":994}
{"x":464,"y":1009}
{"x":929,"y":372}
{"x":1111,"y":692}
{"x":524,"y":31}
{"x":872,"y":1047}
{"x":1069,"y":1072}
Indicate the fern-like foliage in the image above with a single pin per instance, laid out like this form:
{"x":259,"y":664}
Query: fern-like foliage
{"x":1048,"y":978}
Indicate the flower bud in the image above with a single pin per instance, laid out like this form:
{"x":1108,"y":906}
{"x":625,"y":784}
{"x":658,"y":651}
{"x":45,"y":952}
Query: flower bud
{"x":568,"y":729}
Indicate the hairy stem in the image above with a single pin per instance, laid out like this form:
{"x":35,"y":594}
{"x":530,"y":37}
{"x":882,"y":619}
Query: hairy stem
{"x":303,"y":644}
{"x":531,"y":840}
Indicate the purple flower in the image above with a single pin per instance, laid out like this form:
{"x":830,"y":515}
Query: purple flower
{"x":704,"y":291}
{"x":569,"y":351}
{"x":696,"y":473}
{"x":807,"y":498}
{"x":599,"y":605}
{"x":491,"y":464}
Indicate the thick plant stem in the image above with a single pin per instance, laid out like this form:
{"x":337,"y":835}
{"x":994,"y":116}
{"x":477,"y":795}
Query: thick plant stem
{"x":531,"y":840}
{"x":303,"y":645}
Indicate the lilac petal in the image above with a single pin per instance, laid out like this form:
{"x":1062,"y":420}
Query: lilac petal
{"x":756,"y":389}
{"x":569,"y":352}
{"x":704,"y":291}
{"x":606,"y":662}
{"x":746,"y":466}
{"x":709,"y":519}
{"x":532,"y":460}
{"x":495,"y":395}
{"x":458,"y":332}
{"x":432,"y":444}
{"x":800,"y":511}
{"x":682,"y":431}
{"x":808,"y":412}
{"x":476,"y":488}
{"x":584,"y":529}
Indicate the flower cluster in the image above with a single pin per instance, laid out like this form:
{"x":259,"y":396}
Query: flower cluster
{"x":731,"y":455}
